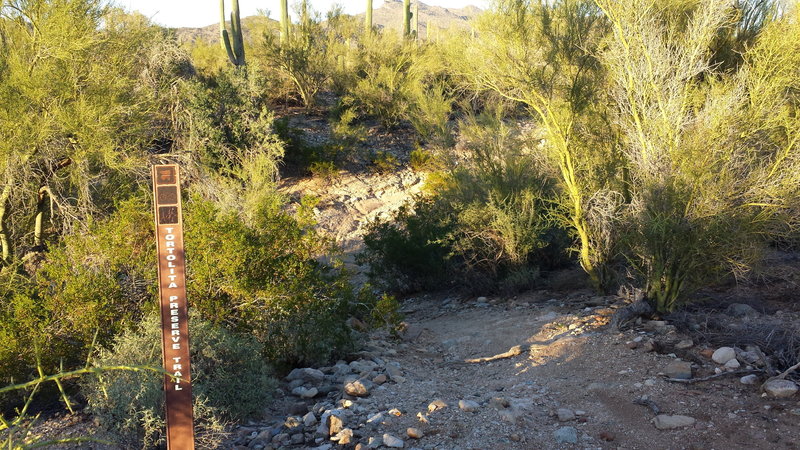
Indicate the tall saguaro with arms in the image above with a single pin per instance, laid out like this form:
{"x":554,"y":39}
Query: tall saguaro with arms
{"x":174,"y":311}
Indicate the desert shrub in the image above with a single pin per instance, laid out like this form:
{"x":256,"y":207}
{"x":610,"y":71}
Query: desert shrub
{"x":302,"y":58}
{"x":325,"y":170}
{"x":255,"y":270}
{"x":408,"y":252}
{"x":384,"y":162}
{"x":430,"y":113}
{"x":222,"y":117}
{"x":97,"y":281}
{"x":421,"y":160}
{"x":230,"y":381}
{"x":387,"y":79}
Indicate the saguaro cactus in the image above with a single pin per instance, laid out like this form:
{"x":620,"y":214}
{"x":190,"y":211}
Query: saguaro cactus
{"x":406,"y":18}
{"x":416,"y":20}
{"x":284,"y":20}
{"x":368,"y":18}
{"x":235,"y":49}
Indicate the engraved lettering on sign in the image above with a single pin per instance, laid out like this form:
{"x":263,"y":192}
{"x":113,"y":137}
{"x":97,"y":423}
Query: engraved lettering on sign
{"x":165,"y":175}
{"x":167,"y":195}
{"x":167,"y":215}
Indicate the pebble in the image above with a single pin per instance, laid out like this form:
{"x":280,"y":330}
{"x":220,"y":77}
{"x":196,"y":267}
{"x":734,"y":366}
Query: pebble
{"x":306,"y":374}
{"x":678,"y":369}
{"x":668,"y":422}
{"x":684,"y":344}
{"x":749,"y":379}
{"x":741,"y":310}
{"x":414,"y":433}
{"x":392,"y":441}
{"x":380,"y":379}
{"x":565,"y":415}
{"x":336,"y":425}
{"x":344,"y":436}
{"x":566,"y":435}
{"x":732,"y":364}
{"x":780,"y":388}
{"x":357,"y":388}
{"x":309,"y":420}
{"x":723,"y":355}
{"x":436,"y":404}
{"x":468,"y":405}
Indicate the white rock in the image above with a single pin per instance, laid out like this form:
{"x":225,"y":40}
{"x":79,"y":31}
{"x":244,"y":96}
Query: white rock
{"x":667,"y":422}
{"x":723,"y":355}
{"x":358,"y":388}
{"x":392,"y":441}
{"x":749,"y":379}
{"x":468,"y":405}
{"x":780,"y":388}
{"x":732,"y":364}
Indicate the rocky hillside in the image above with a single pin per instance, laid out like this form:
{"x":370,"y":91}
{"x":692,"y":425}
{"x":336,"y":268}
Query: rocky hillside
{"x":388,"y":16}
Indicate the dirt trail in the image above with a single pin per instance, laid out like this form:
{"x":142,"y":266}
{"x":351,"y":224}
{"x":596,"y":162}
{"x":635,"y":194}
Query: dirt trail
{"x":573,"y":361}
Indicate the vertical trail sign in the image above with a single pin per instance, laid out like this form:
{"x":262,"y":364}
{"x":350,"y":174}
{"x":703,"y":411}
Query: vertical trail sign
{"x":174,"y":311}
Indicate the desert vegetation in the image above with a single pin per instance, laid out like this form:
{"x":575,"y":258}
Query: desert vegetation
{"x":656,"y":144}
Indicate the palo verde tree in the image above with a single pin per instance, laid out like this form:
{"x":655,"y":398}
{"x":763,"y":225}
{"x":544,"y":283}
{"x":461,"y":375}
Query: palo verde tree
{"x":542,"y":55}
{"x":74,"y":116}
{"x":713,"y":156}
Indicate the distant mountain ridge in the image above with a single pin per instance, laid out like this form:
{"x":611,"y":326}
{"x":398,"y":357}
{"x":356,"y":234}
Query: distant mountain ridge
{"x":388,"y":16}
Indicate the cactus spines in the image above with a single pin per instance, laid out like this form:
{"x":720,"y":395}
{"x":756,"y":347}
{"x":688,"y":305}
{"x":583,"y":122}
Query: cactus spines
{"x":284,"y":20}
{"x":406,"y":18}
{"x":368,"y":18}
{"x":233,"y":43}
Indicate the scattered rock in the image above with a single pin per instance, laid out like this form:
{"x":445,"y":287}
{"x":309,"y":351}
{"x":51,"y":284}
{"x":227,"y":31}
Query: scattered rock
{"x":309,"y":420}
{"x":345,"y":436}
{"x":436,"y":404}
{"x":684,"y":344}
{"x":732,"y":364}
{"x":392,"y":441}
{"x":410,"y":332}
{"x":565,"y":415}
{"x":749,"y":379}
{"x":678,"y":369}
{"x":306,"y":374}
{"x":357,"y":388}
{"x":566,"y":435}
{"x":394,"y":412}
{"x":468,"y":405}
{"x":633,"y":345}
{"x":414,"y":433}
{"x":380,"y":379}
{"x":723,"y":355}
{"x":336,"y":424}
{"x":667,"y":422}
{"x":780,"y":388}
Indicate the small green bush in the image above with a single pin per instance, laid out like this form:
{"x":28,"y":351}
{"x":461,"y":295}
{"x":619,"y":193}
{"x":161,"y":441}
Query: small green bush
{"x":421,"y":160}
{"x":409,"y":252}
{"x":384,"y":162}
{"x":230,"y":381}
{"x":325,"y":170}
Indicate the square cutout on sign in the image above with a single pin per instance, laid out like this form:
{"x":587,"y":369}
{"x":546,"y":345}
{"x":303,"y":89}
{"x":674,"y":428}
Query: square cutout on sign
{"x":167,"y":215}
{"x":167,"y":195}
{"x":165,"y":175}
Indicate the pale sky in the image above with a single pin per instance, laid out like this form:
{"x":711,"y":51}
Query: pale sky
{"x":198,"y":13}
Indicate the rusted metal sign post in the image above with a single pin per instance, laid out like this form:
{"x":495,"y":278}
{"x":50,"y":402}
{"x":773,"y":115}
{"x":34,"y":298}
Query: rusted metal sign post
{"x":174,"y":313}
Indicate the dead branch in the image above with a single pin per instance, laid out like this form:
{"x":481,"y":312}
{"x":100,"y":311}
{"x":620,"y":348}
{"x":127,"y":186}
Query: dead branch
{"x":512,"y":352}
{"x":645,"y":401}
{"x":715,"y":376}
